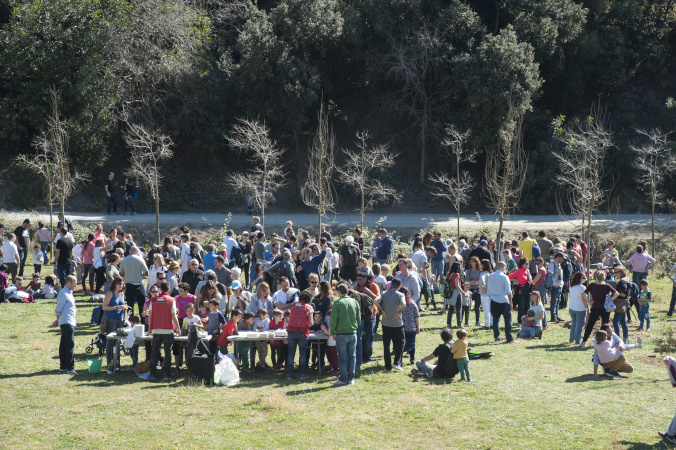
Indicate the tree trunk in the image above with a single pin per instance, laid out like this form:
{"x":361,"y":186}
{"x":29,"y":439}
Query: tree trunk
{"x":319,"y":225}
{"x":157,"y":218}
{"x":298,"y":167}
{"x":51,"y":228}
{"x":457,"y":179}
{"x":423,"y":143}
{"x":362,"y":209}
{"x":498,"y":250}
{"x":652,"y":226}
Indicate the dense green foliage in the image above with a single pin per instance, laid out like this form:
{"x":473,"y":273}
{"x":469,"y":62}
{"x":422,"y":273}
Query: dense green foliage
{"x":402,"y":68}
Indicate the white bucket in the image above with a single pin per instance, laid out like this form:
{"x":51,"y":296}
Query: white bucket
{"x":139,"y":330}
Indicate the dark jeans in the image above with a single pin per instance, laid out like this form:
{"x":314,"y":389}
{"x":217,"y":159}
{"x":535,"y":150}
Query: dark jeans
{"x":359,"y":351}
{"x":111,"y":326}
{"x":43,"y":247}
{"x":367,"y":341}
{"x":66,"y":347}
{"x":504,"y":310}
{"x":398,"y":339}
{"x":621,"y":319}
{"x":594,"y":315}
{"x":88,"y":272}
{"x":63,"y":270}
{"x":458,"y":312}
{"x":23,"y":254}
{"x":158,"y":340}
{"x":136,"y":293}
{"x":673,"y":300}
{"x":100,"y":273}
{"x":111,"y":201}
{"x":476,"y":297}
{"x":129,"y":204}
{"x":522,"y":301}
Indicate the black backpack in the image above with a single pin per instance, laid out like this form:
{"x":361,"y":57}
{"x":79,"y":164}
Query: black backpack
{"x":567,"y":268}
{"x":352,"y":255}
{"x":280,"y":270}
{"x":366,"y":307}
{"x":237,"y":254}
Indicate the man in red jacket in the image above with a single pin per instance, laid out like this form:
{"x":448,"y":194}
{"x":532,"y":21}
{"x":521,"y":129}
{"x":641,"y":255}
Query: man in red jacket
{"x":163,"y":324}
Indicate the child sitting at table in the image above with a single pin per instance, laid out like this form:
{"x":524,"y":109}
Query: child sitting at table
{"x":191,"y":319}
{"x":203,"y":313}
{"x":287,"y":316}
{"x":317,"y":346}
{"x":228,"y":329}
{"x":363,"y":263}
{"x":331,"y":350}
{"x":216,"y":321}
{"x":261,"y":323}
{"x":277,"y":323}
{"x":244,"y":349}
{"x":133,"y":351}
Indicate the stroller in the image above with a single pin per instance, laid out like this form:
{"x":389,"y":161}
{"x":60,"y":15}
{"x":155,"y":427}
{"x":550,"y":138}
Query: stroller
{"x":98,"y":342}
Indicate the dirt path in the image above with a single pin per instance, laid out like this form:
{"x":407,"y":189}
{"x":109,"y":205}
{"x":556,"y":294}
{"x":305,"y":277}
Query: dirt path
{"x":409,"y":221}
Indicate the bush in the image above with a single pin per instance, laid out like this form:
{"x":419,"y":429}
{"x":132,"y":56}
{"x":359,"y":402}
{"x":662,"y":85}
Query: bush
{"x":666,"y":340}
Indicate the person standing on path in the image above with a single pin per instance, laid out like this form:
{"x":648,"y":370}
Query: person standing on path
{"x":111,"y":194}
{"x":345,"y":319}
{"x":500,"y":293}
{"x":23,"y":242}
{"x":391,"y":304}
{"x":66,"y":319}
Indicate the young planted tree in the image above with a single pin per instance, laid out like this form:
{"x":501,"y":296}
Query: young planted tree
{"x":506,"y":170}
{"x":456,"y":189}
{"x":317,"y":192}
{"x":359,"y":170}
{"x":52,"y":162}
{"x":149,"y":149}
{"x":266,"y":176}
{"x":581,"y":164}
{"x":654,"y":161}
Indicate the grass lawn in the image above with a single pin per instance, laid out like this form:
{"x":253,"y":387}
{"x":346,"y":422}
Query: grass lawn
{"x":532,"y":394}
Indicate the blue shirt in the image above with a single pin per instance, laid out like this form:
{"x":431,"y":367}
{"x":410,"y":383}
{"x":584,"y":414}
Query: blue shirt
{"x":208,"y":261}
{"x":117,"y":314}
{"x":385,"y":248}
{"x":498,"y":287}
{"x":312,"y":266}
{"x":65,"y":307}
{"x":440,"y":247}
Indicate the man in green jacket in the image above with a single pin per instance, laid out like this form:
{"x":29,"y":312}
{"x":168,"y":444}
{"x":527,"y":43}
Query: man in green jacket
{"x":345,"y":319}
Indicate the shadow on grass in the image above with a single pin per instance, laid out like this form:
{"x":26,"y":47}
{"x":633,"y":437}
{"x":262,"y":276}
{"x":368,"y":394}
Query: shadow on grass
{"x":588,"y":377}
{"x":558,"y":347}
{"x":641,"y":445}
{"x":30,"y":375}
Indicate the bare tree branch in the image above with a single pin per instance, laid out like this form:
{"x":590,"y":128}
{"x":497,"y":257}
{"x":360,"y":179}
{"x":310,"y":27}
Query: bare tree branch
{"x":455,"y":142}
{"x":655,"y":160}
{"x":359,"y":170}
{"x":149,"y":149}
{"x":317,"y":192}
{"x":267,"y":176}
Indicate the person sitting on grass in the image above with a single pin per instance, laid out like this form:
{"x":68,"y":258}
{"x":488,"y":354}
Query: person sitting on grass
{"x":443,"y":368}
{"x":528,"y":324}
{"x":612,"y":358}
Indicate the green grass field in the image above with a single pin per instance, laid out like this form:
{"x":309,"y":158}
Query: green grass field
{"x":532,"y":394}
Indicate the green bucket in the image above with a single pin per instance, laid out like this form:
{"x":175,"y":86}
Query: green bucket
{"x":95,"y":365}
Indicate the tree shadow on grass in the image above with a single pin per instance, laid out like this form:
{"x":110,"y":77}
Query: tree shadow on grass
{"x":32,"y":374}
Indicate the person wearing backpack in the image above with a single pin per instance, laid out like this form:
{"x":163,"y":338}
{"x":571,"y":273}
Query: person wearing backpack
{"x":554,"y":280}
{"x":284,"y":268}
{"x":446,"y":366}
{"x":368,"y":290}
{"x":349,"y":256}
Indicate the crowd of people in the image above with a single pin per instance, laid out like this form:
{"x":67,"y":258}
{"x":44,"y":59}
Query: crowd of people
{"x":349,"y":290}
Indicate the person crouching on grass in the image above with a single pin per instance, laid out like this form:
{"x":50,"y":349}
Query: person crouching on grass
{"x":612,"y":358}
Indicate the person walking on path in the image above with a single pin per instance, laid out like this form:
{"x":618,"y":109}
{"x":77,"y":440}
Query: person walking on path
{"x":111,"y":194}
{"x":66,"y":319}
{"x":345,"y":319}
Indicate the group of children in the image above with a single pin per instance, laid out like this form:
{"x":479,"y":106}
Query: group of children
{"x":33,"y":289}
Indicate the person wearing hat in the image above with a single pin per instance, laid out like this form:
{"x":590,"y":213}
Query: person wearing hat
{"x":482,"y":252}
{"x":391,"y":304}
{"x":23,"y":242}
{"x":172,"y":277}
{"x":240,"y":298}
{"x":556,"y":272}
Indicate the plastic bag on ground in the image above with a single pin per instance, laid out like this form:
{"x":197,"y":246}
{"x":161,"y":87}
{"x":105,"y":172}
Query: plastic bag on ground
{"x":226,"y":373}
